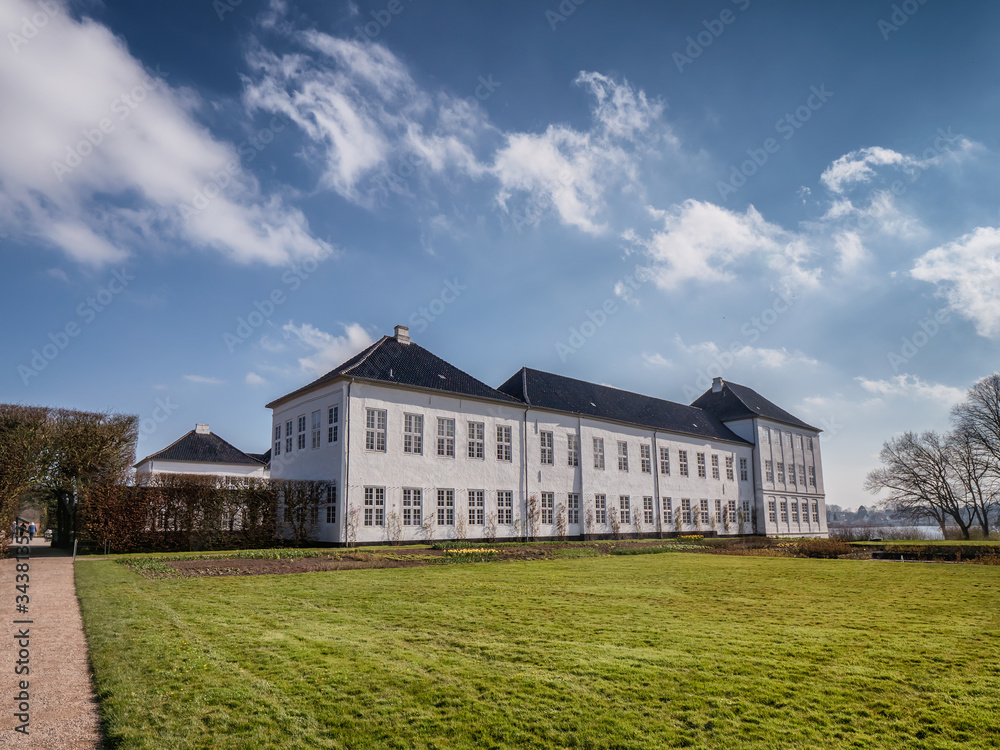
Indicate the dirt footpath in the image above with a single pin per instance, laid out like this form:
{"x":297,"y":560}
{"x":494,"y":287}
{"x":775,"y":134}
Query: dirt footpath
{"x":61,"y":708}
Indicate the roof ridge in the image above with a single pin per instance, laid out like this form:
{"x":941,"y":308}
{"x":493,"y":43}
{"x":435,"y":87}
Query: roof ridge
{"x":166,"y":447}
{"x":371,"y":350}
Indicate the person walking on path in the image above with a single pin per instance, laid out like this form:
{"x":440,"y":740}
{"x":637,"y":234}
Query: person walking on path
{"x":32,"y":529}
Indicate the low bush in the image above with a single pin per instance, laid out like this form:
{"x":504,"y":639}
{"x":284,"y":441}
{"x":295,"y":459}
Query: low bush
{"x":827,"y":548}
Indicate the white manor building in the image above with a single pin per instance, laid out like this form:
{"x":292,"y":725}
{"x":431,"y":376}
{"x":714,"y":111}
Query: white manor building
{"x":416,"y":449}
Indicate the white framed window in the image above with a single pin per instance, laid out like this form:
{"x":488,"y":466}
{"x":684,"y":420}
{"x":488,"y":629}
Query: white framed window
{"x":622,"y":455}
{"x":333,"y":417}
{"x":288,"y":436}
{"x":375,"y":420}
{"x":413,"y":434}
{"x":781,"y":472}
{"x":715,"y":466}
{"x":668,"y":510}
{"x":784,"y":511}
{"x":795,"y":511}
{"x":665,"y":460}
{"x":548,"y":506}
{"x":598,"y":453}
{"x":572,"y":450}
{"x":802,"y":474}
{"x":504,"y":450}
{"x":743,"y":470}
{"x":647,"y":510}
{"x":573,"y":508}
{"x":331,"y":503}
{"x":374,"y":506}
{"x":625,"y":508}
{"x":682,"y":463}
{"x":788,"y":440}
{"x":731,"y":511}
{"x":798,"y":442}
{"x":446,"y":439}
{"x":446,"y":508}
{"x":301,"y":443}
{"x":600,"y":509}
{"x":331,"y":514}
{"x":809,"y":444}
{"x":769,"y":471}
{"x":277,"y":440}
{"x":701,"y":466}
{"x":718,"y":511}
{"x":317,"y":419}
{"x":412,"y":506}
{"x":812,"y":476}
{"x":685,"y":510}
{"x":730,"y":475}
{"x":771,"y":514}
{"x":477,"y":440}
{"x":477,"y":507}
{"x":645,"y":459}
{"x":704,"y":512}
{"x":815,"y":511}
{"x":545,"y":440}
{"x":791,"y":474}
{"x":505,"y":507}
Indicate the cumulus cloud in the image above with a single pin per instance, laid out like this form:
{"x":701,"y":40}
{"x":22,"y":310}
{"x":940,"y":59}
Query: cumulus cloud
{"x":911,"y":386}
{"x":746,"y":355}
{"x":83,"y":122}
{"x":967,"y":273}
{"x":852,"y":251}
{"x":203,"y":380}
{"x":255,"y":379}
{"x":326,"y":351}
{"x":704,"y":242}
{"x":857,"y":166}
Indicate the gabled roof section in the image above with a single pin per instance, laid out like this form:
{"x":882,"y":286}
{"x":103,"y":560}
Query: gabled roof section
{"x":735,"y":401}
{"x":407,"y":364}
{"x":203,"y":448}
{"x":264,"y":458}
{"x":548,"y":391}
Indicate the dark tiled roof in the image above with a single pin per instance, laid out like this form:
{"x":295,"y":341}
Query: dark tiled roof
{"x":204,"y":448}
{"x":547,"y":391}
{"x":739,"y":402}
{"x":264,"y":458}
{"x":388,"y":361}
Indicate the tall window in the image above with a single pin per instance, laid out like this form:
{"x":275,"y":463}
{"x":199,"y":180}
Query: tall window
{"x":598,"y":453}
{"x":546,"y":443}
{"x":622,"y":455}
{"x":682,"y":462}
{"x":769,"y":471}
{"x":704,"y":512}
{"x":625,"y":508}
{"x":302,"y":433}
{"x":573,"y":508}
{"x":333,"y":416}
{"x":795,"y":511}
{"x":715,"y":466}
{"x":375,"y":430}
{"x":503,"y":443}
{"x":731,"y":509}
{"x":815,"y":512}
{"x":413,"y":434}
{"x":718,"y":511}
{"x":412,"y":510}
{"x":685,"y":510}
{"x":781,"y":472}
{"x":477,"y":507}
{"x":548,"y":506}
{"x":802,"y":474}
{"x":374,"y":506}
{"x":331,"y":514}
{"x":446,"y":437}
{"x":573,"y":450}
{"x":600,"y":509}
{"x":288,"y":436}
{"x":665,"y":460}
{"x":701,"y":465}
{"x":331,"y":503}
{"x":277,"y":440}
{"x":788,"y":440}
{"x":729,"y":469}
{"x":446,"y":508}
{"x":317,"y":419}
{"x":771,"y":515}
{"x":668,"y":511}
{"x":645,"y":459}
{"x":743,"y":470}
{"x":505,"y":507}
{"x":647,"y":510}
{"x":809,"y":443}
{"x":784,"y":511}
{"x":765,"y":435}
{"x":477,"y":440}
{"x":791,"y":473}
{"x":812,"y":476}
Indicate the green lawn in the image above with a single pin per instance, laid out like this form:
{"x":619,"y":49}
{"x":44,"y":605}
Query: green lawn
{"x":648,"y":651}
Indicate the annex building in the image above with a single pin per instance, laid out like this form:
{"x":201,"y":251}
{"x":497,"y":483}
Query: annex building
{"x":414,"y":448}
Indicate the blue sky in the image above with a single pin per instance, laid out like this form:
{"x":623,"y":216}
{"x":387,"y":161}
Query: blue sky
{"x":204,"y":205}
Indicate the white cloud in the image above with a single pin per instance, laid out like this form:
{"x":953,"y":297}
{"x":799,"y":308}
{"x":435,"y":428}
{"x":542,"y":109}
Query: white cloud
{"x":745,"y":355}
{"x":857,"y":166}
{"x":620,"y":111}
{"x":151,"y":156}
{"x":882,"y":214}
{"x":656,"y":360}
{"x":703,"y":242}
{"x":852,"y":251}
{"x":911,"y":386}
{"x":327,"y":351}
{"x":967,"y":272}
{"x":203,"y":380}
{"x":255,"y":379}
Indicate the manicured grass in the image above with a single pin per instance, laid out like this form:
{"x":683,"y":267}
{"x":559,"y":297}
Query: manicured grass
{"x":649,"y":651}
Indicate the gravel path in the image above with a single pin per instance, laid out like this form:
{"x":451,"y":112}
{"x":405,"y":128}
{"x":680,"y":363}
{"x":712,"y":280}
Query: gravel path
{"x":62,"y":708}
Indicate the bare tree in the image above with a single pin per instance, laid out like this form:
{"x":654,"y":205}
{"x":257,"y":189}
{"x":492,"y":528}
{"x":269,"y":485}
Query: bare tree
{"x":427,"y":526}
{"x":533,"y":517}
{"x":490,"y":527}
{"x":976,"y":440}
{"x":394,"y":527}
{"x":561,"y":521}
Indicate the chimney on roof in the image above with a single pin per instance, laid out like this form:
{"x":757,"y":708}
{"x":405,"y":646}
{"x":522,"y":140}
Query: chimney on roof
{"x":402,"y":334}
{"x":202,"y":429}
{"x":716,"y":385}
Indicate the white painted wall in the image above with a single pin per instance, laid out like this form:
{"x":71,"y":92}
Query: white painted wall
{"x":191,"y":467}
